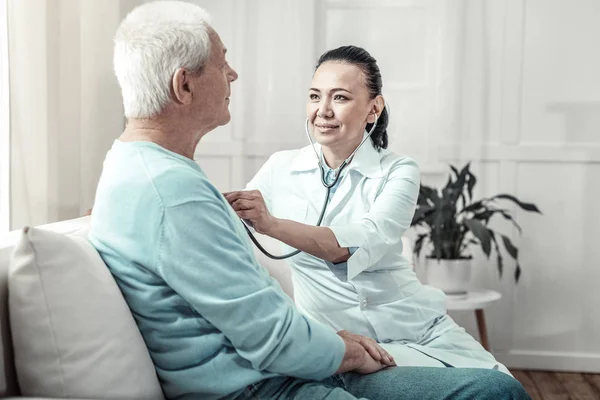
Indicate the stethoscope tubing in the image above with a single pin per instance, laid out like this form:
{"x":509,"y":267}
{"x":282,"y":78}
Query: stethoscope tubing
{"x":337,"y":174}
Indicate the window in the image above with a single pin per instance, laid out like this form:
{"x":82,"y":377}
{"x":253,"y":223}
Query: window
{"x":4,"y":121}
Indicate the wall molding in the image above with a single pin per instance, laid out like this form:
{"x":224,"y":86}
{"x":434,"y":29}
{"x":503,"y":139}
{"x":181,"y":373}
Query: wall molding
{"x":576,"y":153}
{"x":555,"y":153}
{"x":550,"y":360}
{"x":245,"y":150}
{"x":361,"y":4}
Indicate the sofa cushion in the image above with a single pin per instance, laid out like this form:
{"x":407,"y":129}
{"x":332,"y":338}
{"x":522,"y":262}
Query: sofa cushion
{"x":73,"y":333}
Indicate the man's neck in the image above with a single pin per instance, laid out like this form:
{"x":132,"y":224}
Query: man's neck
{"x":168,"y":132}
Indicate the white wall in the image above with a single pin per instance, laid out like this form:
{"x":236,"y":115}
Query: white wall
{"x":512,"y":86}
{"x":420,"y":74}
{"x":268,"y":100}
{"x":531,"y":121}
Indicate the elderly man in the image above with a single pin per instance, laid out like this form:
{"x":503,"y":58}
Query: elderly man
{"x":215,"y":323}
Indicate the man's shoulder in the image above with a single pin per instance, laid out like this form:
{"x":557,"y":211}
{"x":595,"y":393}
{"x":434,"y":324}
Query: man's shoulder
{"x":178,"y":183}
{"x":171,"y":177}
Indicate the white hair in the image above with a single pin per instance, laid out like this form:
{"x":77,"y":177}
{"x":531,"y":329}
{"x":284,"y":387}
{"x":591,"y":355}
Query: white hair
{"x":152,"y":42}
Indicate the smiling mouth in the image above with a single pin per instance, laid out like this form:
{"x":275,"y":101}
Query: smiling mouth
{"x":326,"y":126}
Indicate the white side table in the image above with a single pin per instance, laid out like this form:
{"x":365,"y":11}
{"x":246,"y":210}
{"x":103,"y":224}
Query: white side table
{"x":476,"y":300}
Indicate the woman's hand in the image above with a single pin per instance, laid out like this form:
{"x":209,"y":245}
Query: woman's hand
{"x":250,"y":205}
{"x":371,"y":346}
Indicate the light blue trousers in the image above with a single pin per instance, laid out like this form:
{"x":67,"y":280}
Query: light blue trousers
{"x":395,"y":383}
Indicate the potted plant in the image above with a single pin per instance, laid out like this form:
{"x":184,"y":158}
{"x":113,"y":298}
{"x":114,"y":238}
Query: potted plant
{"x":454,"y":222}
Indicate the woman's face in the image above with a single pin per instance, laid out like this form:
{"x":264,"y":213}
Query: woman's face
{"x":339,"y":104}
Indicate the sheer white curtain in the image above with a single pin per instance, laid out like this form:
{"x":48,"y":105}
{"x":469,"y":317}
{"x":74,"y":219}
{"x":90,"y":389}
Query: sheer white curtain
{"x":65,"y":104}
{"x":4,"y":121}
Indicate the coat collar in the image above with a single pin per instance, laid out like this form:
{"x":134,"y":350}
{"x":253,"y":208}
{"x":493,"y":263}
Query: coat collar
{"x":367,"y":160}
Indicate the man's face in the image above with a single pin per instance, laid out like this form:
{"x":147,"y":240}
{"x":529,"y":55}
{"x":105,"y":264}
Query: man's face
{"x":213,"y":86}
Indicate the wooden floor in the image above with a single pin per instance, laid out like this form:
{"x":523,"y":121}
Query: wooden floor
{"x":559,"y":385}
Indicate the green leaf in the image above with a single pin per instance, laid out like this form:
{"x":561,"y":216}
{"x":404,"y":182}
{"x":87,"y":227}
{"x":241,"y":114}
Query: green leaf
{"x":466,"y":168}
{"x":498,"y":254}
{"x":464,"y":200}
{"x":454,"y":170}
{"x":525,"y":206}
{"x":466,"y":243}
{"x":425,"y":193}
{"x":459,"y":185}
{"x":449,"y":183}
{"x":512,"y":250}
{"x":471,"y":184}
{"x":419,"y":243}
{"x":484,"y":215}
{"x":481,"y":233}
{"x":473,"y":206}
{"x":438,"y":221}
{"x":509,"y":217}
{"x":420,"y":214}
{"x":455,"y":190}
{"x":435,"y":197}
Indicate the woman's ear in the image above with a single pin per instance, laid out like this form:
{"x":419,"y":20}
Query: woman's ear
{"x":376,"y":109}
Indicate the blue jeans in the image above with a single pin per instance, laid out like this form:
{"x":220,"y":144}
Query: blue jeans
{"x":395,"y":383}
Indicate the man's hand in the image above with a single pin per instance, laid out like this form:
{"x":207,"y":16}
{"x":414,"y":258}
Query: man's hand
{"x":369,"y":366}
{"x":371,"y":346}
{"x":250,"y":205}
{"x":357,"y":359}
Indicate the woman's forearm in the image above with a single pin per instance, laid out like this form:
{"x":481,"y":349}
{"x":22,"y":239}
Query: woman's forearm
{"x":316,"y":240}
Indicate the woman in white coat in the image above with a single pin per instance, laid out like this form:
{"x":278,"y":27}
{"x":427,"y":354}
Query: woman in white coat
{"x":351,"y":273}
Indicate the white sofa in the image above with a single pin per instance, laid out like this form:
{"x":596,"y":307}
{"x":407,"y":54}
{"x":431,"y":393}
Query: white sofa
{"x":9,"y":387}
{"x":8,"y":380}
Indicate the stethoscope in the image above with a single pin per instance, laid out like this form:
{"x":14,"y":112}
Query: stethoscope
{"x":336,"y":174}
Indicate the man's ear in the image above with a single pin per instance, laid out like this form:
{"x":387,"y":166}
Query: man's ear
{"x":182,"y":93}
{"x":376,"y":109}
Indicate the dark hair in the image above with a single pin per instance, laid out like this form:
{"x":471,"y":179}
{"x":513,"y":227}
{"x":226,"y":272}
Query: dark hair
{"x":362,"y":59}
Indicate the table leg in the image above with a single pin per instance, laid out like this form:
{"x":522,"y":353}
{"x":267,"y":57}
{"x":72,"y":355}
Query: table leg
{"x":482,"y":328}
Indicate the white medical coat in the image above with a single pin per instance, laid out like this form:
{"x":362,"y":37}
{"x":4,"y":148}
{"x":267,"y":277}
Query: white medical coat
{"x":376,"y":292}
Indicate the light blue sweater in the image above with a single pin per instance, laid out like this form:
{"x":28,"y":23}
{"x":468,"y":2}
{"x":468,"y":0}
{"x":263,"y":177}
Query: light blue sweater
{"x":212,"y":318}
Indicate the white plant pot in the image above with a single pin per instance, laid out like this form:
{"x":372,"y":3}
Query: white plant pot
{"x":451,"y":276}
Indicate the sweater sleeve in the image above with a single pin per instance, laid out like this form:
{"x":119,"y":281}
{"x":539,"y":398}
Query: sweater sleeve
{"x":203,"y":258}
